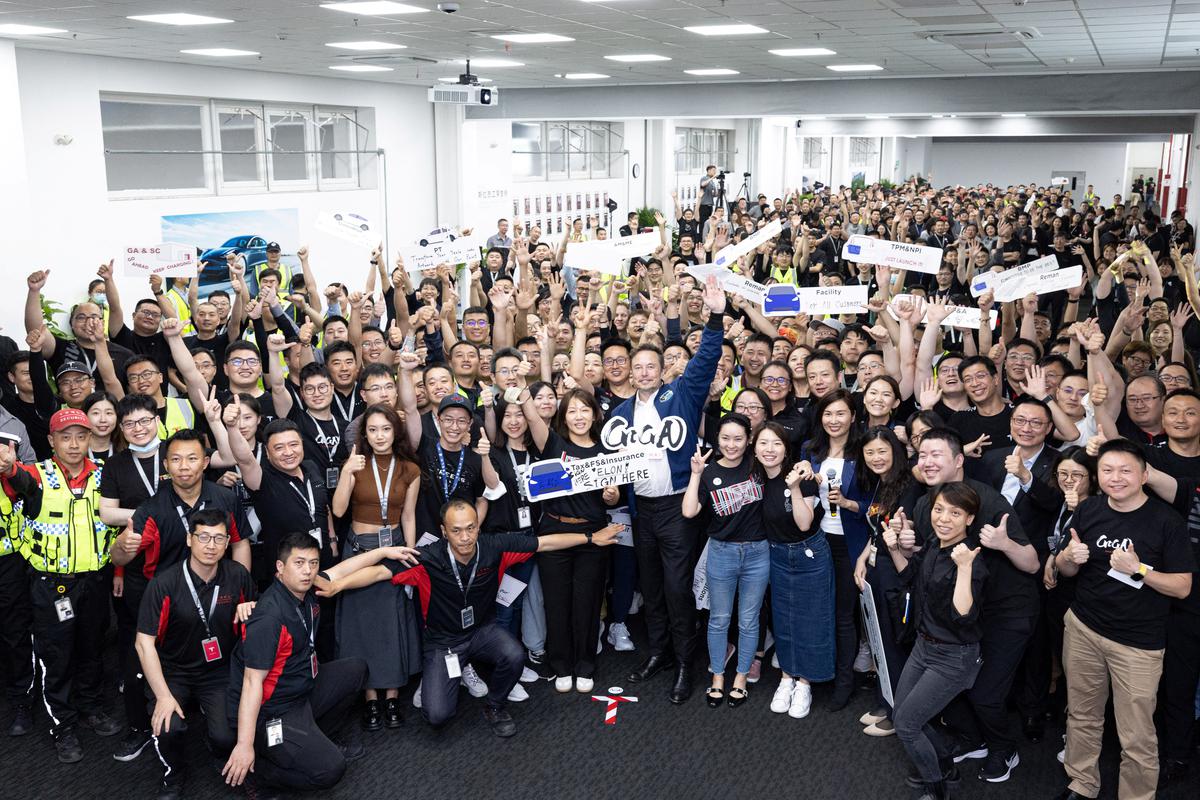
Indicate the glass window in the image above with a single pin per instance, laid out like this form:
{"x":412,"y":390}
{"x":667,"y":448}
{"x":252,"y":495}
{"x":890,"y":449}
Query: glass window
{"x":240,"y":138}
{"x":577,"y":148}
{"x":149,"y":126}
{"x":288,"y":139}
{"x":529,"y":156}
{"x":337,"y":133}
{"x":598,"y":144}
{"x":696,"y":148}
{"x":557,"y":150}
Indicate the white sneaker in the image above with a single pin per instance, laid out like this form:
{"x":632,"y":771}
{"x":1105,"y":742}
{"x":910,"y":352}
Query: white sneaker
{"x":518,"y":694}
{"x":417,"y":697}
{"x":863,"y":662}
{"x":584,"y":685}
{"x":563,"y":684}
{"x":475,"y":684}
{"x":528,"y":675}
{"x":782,"y":699}
{"x":618,"y":637}
{"x":801,"y":701}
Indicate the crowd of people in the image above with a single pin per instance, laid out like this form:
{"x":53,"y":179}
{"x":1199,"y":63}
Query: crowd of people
{"x":297,"y":501}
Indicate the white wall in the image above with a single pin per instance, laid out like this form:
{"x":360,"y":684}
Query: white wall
{"x":74,"y":223}
{"x":1004,"y":163}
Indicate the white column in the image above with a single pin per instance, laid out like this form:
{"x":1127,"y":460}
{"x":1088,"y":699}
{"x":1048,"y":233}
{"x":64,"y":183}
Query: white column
{"x":15,"y":200}
{"x":448,"y":128}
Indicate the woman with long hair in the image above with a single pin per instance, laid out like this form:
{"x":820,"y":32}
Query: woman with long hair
{"x":881,"y":398}
{"x":801,"y":576}
{"x":104,"y":440}
{"x":572,"y":580}
{"x":795,"y":362}
{"x":829,"y":456}
{"x":738,"y":560}
{"x":780,"y":390}
{"x":378,"y":486}
{"x":883,"y":485}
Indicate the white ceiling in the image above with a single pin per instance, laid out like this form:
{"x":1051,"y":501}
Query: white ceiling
{"x":1076,"y":36}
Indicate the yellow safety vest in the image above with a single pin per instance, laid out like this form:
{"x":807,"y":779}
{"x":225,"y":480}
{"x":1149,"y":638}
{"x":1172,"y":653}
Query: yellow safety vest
{"x":180,"y":415}
{"x":67,"y":535}
{"x":182,"y":309}
{"x":730,"y":393}
{"x":10,"y":526}
{"x":783,"y":276}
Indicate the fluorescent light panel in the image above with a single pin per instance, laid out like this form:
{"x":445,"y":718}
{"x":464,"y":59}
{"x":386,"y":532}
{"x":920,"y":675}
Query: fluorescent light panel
{"x":532,"y":38}
{"x":725,"y":30}
{"x":375,"y":8}
{"x":854,"y":67}
{"x":1012,"y":116}
{"x":366,"y":46}
{"x":219,"y":52}
{"x":360,"y":68}
{"x":180,"y":19}
{"x":712,"y":71}
{"x":637,"y":58}
{"x":584,"y":76}
{"x":803,"y":51}
{"x":15,"y":29}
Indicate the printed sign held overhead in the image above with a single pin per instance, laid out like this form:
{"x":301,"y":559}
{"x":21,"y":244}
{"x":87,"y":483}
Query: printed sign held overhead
{"x":997,"y":280}
{"x":897,"y":255}
{"x":608,"y":256}
{"x":730,"y":254}
{"x":730,"y":282}
{"x":960,"y":317}
{"x":169,"y":260}
{"x":441,"y":246}
{"x":349,"y":227}
{"x":785,"y":300}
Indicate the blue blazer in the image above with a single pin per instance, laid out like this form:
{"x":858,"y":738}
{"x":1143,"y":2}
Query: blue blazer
{"x":854,"y":525}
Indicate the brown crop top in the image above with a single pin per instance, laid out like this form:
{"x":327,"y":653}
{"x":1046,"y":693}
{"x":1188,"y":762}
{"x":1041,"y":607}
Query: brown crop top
{"x":364,"y":500}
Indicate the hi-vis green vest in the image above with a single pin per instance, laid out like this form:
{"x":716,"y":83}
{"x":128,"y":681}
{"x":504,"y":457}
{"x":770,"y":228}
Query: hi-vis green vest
{"x":180,"y":415}
{"x":67,"y":535}
{"x":10,"y":526}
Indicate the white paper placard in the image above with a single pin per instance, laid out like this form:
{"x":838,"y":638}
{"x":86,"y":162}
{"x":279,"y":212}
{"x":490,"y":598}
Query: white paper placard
{"x":350,"y":227}
{"x":1056,"y":280}
{"x":731,"y":282}
{"x":731,"y":253}
{"x":700,"y":578}
{"x":960,"y":316}
{"x":558,"y":478}
{"x":608,"y":256}
{"x":897,"y":255}
{"x":426,"y":538}
{"x":784,"y":300}
{"x":510,"y":589}
{"x":622,"y":517}
{"x":169,"y":259}
{"x":995,"y":280}
{"x":462,"y":250}
{"x":875,"y":640}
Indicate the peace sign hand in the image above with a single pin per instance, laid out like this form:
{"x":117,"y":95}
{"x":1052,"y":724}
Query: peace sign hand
{"x":700,"y":461}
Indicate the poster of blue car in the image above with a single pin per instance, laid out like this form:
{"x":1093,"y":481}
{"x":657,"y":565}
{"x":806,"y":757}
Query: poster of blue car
{"x":246,"y":233}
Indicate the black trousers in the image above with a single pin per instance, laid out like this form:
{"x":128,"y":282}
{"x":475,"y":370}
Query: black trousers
{"x":573,"y":591}
{"x":207,"y":692}
{"x":980,"y":714}
{"x":16,"y":617}
{"x":126,"y":607}
{"x":1031,"y":692}
{"x":491,"y":644}
{"x":705,"y":213}
{"x":306,"y":758}
{"x":1177,"y":691}
{"x":665,"y":542}
{"x":68,"y":653}
{"x":845,"y":597}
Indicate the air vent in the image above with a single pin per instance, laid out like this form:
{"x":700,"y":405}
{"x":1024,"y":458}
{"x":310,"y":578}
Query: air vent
{"x":979,"y":39}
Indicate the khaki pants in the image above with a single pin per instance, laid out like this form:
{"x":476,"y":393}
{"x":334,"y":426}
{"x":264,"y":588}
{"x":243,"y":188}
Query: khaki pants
{"x":1090,"y":661}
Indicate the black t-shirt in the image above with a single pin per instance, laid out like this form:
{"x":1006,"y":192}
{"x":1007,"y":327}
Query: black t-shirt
{"x":1129,"y":429}
{"x":130,"y":483}
{"x":445,"y":474}
{"x":581,"y":505}
{"x":168,"y":613}
{"x":285,"y":503}
{"x":1187,"y":503}
{"x":733,"y":498}
{"x":776,"y":511}
{"x":163,"y":521}
{"x":446,"y":587}
{"x":691,"y":226}
{"x":346,"y":406}
{"x":970,"y":425}
{"x":1170,"y":462}
{"x":503,"y":516}
{"x":1113,"y":609}
{"x":321,"y":437}
{"x":71,"y":350}
{"x":279,"y":638}
{"x":154,"y":346}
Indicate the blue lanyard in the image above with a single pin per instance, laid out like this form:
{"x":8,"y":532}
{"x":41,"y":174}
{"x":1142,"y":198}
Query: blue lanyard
{"x":449,"y":488}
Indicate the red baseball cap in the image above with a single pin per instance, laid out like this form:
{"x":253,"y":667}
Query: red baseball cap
{"x":67,"y":418}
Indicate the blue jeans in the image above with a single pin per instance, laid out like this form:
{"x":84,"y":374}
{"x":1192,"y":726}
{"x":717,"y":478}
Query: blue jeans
{"x":533,"y":614}
{"x":802,"y":607}
{"x":733,"y":568}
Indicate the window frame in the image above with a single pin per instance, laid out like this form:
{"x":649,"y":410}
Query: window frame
{"x":206,"y":143}
{"x":560,"y":134}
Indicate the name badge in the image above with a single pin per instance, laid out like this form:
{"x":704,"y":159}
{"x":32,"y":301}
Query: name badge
{"x":453,"y":668}
{"x":331,"y":477}
{"x":274,"y":732}
{"x":212,"y":649}
{"x":64,"y":609}
{"x":313,"y":658}
{"x":316,"y":534}
{"x":524,"y":517}
{"x":385,"y":537}
{"x":468,"y":617}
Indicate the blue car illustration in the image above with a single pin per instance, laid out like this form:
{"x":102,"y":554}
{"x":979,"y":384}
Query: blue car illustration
{"x":548,"y":477}
{"x":781,"y":299}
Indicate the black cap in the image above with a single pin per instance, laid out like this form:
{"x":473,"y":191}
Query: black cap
{"x":454,"y":400}
{"x":273,"y":246}
{"x":72,"y":366}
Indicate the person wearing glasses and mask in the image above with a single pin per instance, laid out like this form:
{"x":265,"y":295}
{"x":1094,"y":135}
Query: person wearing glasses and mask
{"x":143,"y":375}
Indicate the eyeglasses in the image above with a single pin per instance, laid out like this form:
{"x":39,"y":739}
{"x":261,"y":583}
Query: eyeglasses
{"x":455,"y":423}
{"x":244,"y":362}
{"x":619,"y":361}
{"x":1175,"y":380}
{"x":379,"y":387}
{"x":506,"y":372}
{"x":1020,"y":358}
{"x":1138,"y":360}
{"x":974,"y":379}
{"x":1027,"y":422}
{"x":71,"y":383}
{"x":475,"y":323}
{"x":1142,"y":399}
{"x":374,"y":344}
{"x":780,"y":381}
{"x":317,"y":388}
{"x":141,"y":422}
{"x":86,"y":317}
{"x":145,"y":375}
{"x":741,"y":409}
{"x":214,"y":538}
{"x":148,"y":312}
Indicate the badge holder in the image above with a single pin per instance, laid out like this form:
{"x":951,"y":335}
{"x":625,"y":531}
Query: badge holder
{"x":274,"y":732}
{"x":468,"y":617}
{"x":64,"y":609}
{"x":453,"y":668}
{"x":524,"y":517}
{"x":385,"y":537}
{"x":331,"y":477}
{"x":212,"y":649}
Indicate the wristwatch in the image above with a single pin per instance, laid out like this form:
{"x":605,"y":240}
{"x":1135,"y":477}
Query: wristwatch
{"x":1140,"y":574}
{"x":589,"y":537}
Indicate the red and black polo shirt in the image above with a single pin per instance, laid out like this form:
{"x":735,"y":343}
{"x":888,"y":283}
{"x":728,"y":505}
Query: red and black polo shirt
{"x":162,"y":523}
{"x":168,"y":613}
{"x":278,"y":638}
{"x":442,"y":601}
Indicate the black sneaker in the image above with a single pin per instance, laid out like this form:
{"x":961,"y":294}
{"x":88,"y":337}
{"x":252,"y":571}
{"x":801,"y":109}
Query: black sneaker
{"x":22,"y":722}
{"x":352,"y":751}
{"x":170,"y":790}
{"x":537,"y":663}
{"x":132,"y":745}
{"x":950,"y":777}
{"x":997,"y":766}
{"x":501,"y":721}
{"x":100,"y":724}
{"x":372,"y":719}
{"x":391,"y":713}
{"x":66,"y":744}
{"x":962,"y":750}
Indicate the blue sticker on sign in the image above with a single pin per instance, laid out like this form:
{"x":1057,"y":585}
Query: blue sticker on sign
{"x":854,"y":249}
{"x":548,"y":477}
{"x":781,"y":299}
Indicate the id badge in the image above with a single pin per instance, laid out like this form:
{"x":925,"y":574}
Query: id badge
{"x":316,"y":534}
{"x":64,"y":609}
{"x":274,"y":732}
{"x":524,"y":517}
{"x":313,"y":657}
{"x":468,"y":617}
{"x":385,"y":537}
{"x":331,"y":477}
{"x":871,"y":557}
{"x":453,"y":668}
{"x":212,"y":649}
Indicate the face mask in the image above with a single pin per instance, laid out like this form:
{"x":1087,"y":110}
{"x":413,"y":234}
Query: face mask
{"x":100,"y":299}
{"x":149,"y":447}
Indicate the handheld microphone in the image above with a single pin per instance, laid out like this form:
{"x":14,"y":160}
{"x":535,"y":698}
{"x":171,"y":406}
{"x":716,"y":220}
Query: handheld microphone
{"x":834,"y":483}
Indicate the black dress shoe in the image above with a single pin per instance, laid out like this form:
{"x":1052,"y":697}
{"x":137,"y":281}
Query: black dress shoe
{"x":169,"y":791}
{"x":391,"y":713}
{"x":1034,"y":728}
{"x":372,"y":719}
{"x":651,"y":667}
{"x":22,"y":721}
{"x":682,"y":689}
{"x":66,"y":745}
{"x":841,"y":698}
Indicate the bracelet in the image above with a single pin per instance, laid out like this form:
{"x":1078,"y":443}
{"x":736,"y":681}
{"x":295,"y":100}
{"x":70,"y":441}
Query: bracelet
{"x":1069,"y":300}
{"x":158,"y":293}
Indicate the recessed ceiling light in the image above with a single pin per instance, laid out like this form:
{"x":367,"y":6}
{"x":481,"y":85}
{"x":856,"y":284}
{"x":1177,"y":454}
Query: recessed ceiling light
{"x":369,"y":45}
{"x":532,"y":38}
{"x":360,"y":68}
{"x":854,"y":67}
{"x":375,"y":8}
{"x":875,"y":116}
{"x":803,"y":51}
{"x":16,"y":29}
{"x":220,"y":52}
{"x":935,"y":116}
{"x":725,"y":30}
{"x":180,"y":19}
{"x":1012,"y":116}
{"x":637,"y":58}
{"x":712,"y":71}
{"x":455,"y":80}
{"x":491,"y":62}
{"x":584,"y":76}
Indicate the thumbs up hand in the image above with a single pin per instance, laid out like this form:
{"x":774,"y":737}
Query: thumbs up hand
{"x":1077,"y":552}
{"x":1125,"y":559}
{"x":1015,"y":465}
{"x":995,"y":537}
{"x":355,"y":463}
{"x":484,"y":447}
{"x":962,"y":555}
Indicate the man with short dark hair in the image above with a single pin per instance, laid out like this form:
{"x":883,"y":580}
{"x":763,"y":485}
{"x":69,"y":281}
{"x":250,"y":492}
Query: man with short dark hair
{"x":988,"y":422}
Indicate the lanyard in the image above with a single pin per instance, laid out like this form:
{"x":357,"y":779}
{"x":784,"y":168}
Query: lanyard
{"x":447,"y":487}
{"x":107,"y":454}
{"x":457,"y":577}
{"x":91,"y":364}
{"x":346,"y":415}
{"x":517,"y":472}
{"x":212,"y":609}
{"x":137,"y":462}
{"x":383,"y":494}
{"x":312,"y":503}
{"x":310,"y":629}
{"x":183,"y":515}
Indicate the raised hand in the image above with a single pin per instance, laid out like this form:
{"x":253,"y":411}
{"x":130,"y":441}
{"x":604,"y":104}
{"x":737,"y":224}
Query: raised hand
{"x":931,"y":394}
{"x":975,"y":449}
{"x":232,"y":412}
{"x":700,"y":460}
{"x":1125,"y":559}
{"x":37,"y":279}
{"x":484,"y":447}
{"x":1076,"y":551}
{"x":277,"y":343}
{"x":1071,"y":497}
{"x":995,"y":537}
{"x":714,"y":296}
{"x":105,"y":272}
{"x":212,"y":407}
{"x":962,"y":555}
{"x":1035,"y":383}
{"x":356,"y":462}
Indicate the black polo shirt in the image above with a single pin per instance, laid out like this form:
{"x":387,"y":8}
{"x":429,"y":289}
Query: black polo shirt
{"x":438,"y":483}
{"x":282,"y":503}
{"x":168,"y":613}
{"x":442,"y":601}
{"x":321,"y":437}
{"x":71,"y":350}
{"x":163,"y":524}
{"x":279,"y":638}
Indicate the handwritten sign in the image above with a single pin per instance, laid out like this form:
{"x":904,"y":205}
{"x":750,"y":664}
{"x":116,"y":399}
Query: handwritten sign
{"x":608,"y":256}
{"x":350,"y":227}
{"x":897,"y":255}
{"x":785,"y":300}
{"x":731,"y":253}
{"x":557,"y":477}
{"x":170,"y":260}
{"x":731,"y":282}
{"x":996,"y":280}
{"x":441,"y":247}
{"x":960,"y":316}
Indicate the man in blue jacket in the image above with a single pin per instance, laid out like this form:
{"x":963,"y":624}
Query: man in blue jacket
{"x":667,"y":418}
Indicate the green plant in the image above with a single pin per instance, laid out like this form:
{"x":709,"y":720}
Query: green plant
{"x":859,"y":182}
{"x":646,"y":217}
{"x":50,"y":310}
{"x":886,"y":183}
